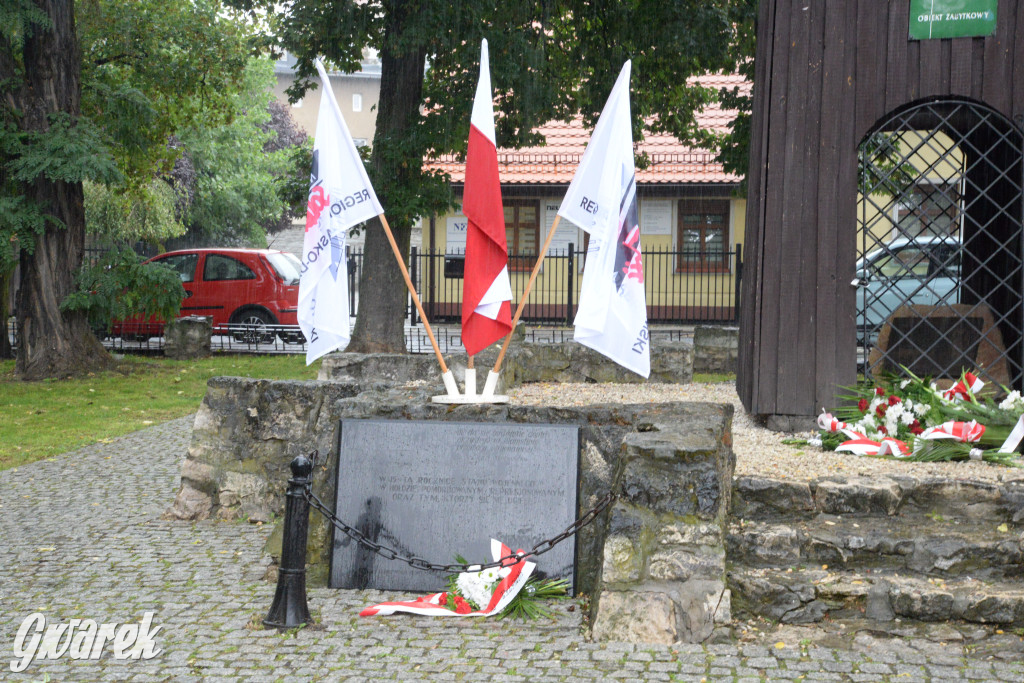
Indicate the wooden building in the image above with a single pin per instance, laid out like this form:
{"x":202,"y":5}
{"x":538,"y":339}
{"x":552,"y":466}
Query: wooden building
{"x":829,"y":75}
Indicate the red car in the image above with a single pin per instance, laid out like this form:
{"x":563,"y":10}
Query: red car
{"x":247,"y":289}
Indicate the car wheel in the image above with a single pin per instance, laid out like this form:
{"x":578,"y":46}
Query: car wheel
{"x":252,"y":327}
{"x":293,"y":337}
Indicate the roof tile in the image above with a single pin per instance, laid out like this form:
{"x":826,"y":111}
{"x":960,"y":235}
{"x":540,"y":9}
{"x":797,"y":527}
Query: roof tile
{"x":555,"y":163}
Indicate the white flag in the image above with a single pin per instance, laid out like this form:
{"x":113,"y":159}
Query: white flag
{"x":340,"y":196}
{"x":612,"y":313}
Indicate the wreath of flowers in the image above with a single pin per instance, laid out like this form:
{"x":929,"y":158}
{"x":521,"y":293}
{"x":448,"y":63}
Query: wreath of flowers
{"x":911,"y":418}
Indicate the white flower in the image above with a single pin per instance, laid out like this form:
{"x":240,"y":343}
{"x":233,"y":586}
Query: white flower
{"x":1013,"y":402}
{"x":490,"y":576}
{"x":904,"y":384}
{"x":921,"y":409}
{"x":472,"y":588}
{"x":814,"y":441}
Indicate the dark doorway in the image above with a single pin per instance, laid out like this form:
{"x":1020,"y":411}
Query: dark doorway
{"x":939,"y":272}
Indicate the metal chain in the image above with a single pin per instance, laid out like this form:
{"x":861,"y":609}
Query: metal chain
{"x":419,"y":563}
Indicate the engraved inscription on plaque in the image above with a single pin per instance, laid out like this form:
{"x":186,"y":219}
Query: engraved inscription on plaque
{"x":436,"y":489}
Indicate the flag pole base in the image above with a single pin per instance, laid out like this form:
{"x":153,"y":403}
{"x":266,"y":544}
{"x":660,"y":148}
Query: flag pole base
{"x":453,"y":397}
{"x":478,"y":398}
{"x":491,"y":384}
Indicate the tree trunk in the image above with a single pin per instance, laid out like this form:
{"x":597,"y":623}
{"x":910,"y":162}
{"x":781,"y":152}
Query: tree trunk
{"x":6,"y":351}
{"x":380,"y":324}
{"x":52,"y":343}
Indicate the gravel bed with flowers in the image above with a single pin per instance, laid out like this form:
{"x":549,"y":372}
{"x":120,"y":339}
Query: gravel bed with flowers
{"x":759,"y":451}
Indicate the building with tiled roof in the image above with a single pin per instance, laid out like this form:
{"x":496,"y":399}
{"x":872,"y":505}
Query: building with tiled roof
{"x":554,"y":164}
{"x":691,"y":223}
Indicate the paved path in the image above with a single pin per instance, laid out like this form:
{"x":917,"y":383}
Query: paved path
{"x":81,"y":537}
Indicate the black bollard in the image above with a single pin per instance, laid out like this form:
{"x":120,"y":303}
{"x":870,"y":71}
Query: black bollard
{"x":289,"y":608}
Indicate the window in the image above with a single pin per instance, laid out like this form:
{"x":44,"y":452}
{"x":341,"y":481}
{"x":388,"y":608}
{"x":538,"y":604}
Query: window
{"x":703,"y":230}
{"x":182,"y":264}
{"x":522,"y":232}
{"x":357,"y":101}
{"x":219,"y":267}
{"x":928,"y":209}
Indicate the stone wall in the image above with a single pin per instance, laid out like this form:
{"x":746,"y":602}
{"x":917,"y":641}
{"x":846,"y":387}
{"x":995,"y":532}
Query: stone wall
{"x":672,"y":464}
{"x":188,"y":337}
{"x":671,"y":362}
{"x":663,"y":572}
{"x":715,"y":349}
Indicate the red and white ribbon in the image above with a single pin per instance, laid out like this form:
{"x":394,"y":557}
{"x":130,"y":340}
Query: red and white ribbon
{"x":960,"y":390}
{"x":967,"y":432}
{"x":865,"y":446}
{"x":434,"y":605}
{"x":829,"y":423}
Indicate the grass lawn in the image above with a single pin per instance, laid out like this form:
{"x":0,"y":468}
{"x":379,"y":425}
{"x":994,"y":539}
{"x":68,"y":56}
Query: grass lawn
{"x":42,"y":419}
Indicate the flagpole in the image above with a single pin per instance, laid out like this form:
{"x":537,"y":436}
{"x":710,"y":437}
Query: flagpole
{"x":522,"y":299}
{"x":449,"y":380}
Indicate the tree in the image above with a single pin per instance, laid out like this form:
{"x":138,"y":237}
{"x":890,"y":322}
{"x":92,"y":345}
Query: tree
{"x":46,"y":151}
{"x":241,"y":186}
{"x":550,"y":59}
{"x":95,"y":102}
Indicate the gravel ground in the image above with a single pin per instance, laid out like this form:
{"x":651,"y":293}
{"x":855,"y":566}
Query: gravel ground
{"x":759,"y":451}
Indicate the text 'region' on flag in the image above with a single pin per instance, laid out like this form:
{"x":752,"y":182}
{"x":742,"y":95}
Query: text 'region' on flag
{"x":340,"y":196}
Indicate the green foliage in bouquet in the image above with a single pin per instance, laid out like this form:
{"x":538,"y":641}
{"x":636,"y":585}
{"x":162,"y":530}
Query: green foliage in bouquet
{"x":531,"y":602}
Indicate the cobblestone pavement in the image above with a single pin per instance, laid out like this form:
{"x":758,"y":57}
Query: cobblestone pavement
{"x":81,"y":537}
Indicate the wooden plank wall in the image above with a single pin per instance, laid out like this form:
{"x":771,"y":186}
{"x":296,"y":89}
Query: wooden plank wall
{"x":827,"y":71}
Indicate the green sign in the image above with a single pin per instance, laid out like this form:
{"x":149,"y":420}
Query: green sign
{"x":952,"y":18}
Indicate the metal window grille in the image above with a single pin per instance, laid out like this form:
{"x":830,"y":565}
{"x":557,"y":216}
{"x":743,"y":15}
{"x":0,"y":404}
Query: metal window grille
{"x":939,"y":272}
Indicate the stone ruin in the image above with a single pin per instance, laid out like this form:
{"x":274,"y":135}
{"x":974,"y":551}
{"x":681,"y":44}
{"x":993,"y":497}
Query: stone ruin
{"x":653,"y":563}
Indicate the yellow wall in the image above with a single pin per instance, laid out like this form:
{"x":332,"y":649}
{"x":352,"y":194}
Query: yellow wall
{"x":663,"y":283}
{"x":935,"y":159}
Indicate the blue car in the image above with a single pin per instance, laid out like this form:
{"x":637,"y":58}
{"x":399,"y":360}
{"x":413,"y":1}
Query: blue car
{"x":922,"y":270}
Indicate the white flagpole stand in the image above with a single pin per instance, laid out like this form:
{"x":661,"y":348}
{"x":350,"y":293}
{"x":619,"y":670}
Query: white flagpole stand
{"x":470,"y":395}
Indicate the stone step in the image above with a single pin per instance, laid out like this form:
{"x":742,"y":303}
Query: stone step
{"x":931,"y":546}
{"x":795,"y":596}
{"x":890,"y":643}
{"x":766,"y":498}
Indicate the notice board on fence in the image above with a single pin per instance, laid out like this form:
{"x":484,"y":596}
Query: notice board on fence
{"x":433,"y":490}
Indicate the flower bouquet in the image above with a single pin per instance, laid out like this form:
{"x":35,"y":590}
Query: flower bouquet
{"x":508,"y":590}
{"x":912,"y":419}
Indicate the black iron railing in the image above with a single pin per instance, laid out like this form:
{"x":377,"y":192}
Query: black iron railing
{"x":681,"y":286}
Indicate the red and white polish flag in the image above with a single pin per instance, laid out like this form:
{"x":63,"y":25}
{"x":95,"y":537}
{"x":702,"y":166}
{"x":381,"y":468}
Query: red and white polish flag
{"x":487,"y":292}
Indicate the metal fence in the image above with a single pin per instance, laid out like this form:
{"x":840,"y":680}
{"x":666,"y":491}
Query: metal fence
{"x":677,"y":293}
{"x":681,"y":286}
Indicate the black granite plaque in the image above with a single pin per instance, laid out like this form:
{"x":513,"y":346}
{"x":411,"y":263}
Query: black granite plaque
{"x":940,"y":346}
{"x":436,"y":489}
